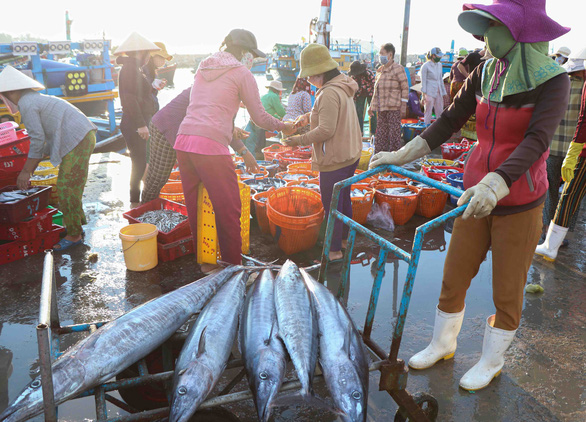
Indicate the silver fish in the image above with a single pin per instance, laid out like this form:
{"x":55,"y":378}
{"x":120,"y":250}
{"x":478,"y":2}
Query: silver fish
{"x":165,"y":220}
{"x":297,"y":323}
{"x":341,"y":354}
{"x":118,"y":344}
{"x":207,"y":349}
{"x":263,"y":352}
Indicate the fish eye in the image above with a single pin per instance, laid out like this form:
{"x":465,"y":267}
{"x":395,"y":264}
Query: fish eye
{"x":181,"y":391}
{"x":36,"y":384}
{"x":263,"y":375}
{"x":356,"y":395}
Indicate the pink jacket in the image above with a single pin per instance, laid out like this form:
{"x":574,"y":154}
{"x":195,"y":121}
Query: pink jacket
{"x":221,"y":82}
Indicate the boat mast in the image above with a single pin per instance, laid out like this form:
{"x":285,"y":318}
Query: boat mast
{"x":323,"y":26}
{"x":68,"y":23}
{"x":405,"y":37}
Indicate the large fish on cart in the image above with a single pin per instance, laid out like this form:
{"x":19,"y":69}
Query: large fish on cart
{"x":263,"y":352}
{"x":342,"y":355}
{"x":117,"y":345}
{"x":206,"y":351}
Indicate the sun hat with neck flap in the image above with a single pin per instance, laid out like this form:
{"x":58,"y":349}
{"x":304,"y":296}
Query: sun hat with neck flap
{"x":315,"y":60}
{"x":528,"y":30}
{"x":14,"y":80}
{"x":162,"y":52}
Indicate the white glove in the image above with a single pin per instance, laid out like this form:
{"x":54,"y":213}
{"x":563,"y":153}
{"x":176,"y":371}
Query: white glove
{"x":415,"y":149}
{"x":484,"y":196}
{"x":159,"y":84}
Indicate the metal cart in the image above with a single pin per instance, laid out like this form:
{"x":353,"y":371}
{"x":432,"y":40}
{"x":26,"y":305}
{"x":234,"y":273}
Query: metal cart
{"x":419,"y":407}
{"x":393,"y":370}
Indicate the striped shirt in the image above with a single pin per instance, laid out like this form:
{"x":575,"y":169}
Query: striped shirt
{"x":565,"y":131}
{"x":54,"y":125}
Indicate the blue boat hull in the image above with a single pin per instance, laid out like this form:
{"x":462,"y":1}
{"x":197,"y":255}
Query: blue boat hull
{"x":283,"y":74}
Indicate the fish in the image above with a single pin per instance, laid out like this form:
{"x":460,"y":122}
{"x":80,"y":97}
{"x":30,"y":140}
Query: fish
{"x":397,"y":191}
{"x":262,"y":350}
{"x":117,"y":345}
{"x":207,"y":348}
{"x":342,"y":355}
{"x":297,"y":324}
{"x":164,"y":220}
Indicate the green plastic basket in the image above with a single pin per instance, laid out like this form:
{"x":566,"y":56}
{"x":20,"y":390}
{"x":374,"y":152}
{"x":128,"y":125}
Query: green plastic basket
{"x":57,"y":217}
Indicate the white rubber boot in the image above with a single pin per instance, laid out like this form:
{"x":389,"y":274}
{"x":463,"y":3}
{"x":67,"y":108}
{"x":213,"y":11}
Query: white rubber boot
{"x":495,"y":344}
{"x":555,"y":236}
{"x":444,"y":341}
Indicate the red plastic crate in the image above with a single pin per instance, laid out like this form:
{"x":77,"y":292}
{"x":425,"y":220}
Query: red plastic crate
{"x":181,"y":231}
{"x":25,"y":208}
{"x":27,"y":230}
{"x":172,"y":251}
{"x":21,"y":145}
{"x":18,"y":249}
{"x":13,"y":163}
{"x":8,"y":179}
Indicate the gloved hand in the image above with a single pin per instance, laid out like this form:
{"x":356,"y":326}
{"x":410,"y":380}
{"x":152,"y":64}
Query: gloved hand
{"x":484,"y":196}
{"x":571,"y":160}
{"x":415,"y":149}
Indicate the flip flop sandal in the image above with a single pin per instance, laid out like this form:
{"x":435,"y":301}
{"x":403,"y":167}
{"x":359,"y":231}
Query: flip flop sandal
{"x":64,"y":244}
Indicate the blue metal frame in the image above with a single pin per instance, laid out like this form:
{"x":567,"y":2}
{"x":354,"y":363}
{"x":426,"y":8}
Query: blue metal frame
{"x":108,"y":85}
{"x":411,"y":258}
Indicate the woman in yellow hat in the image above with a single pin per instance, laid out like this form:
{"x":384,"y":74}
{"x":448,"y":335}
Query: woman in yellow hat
{"x":335,"y":132}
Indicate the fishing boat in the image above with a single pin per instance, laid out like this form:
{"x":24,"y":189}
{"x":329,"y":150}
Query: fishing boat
{"x":94,"y":96}
{"x":284,"y":63}
{"x":167,"y":72}
{"x":345,"y":54}
{"x":259,"y":65}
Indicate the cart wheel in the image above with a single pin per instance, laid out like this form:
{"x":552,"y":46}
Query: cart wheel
{"x":427,"y":403}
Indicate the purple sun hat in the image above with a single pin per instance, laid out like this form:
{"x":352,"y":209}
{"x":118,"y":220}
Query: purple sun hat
{"x":526,"y":19}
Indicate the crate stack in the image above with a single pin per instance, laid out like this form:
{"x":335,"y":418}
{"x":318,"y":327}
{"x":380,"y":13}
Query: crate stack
{"x":14,"y":148}
{"x":26,"y":226}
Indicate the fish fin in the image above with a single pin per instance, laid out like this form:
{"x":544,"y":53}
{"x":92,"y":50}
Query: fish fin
{"x":182,"y":372}
{"x":201,"y":348}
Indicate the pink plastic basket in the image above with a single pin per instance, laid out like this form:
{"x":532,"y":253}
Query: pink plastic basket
{"x":8,"y":132}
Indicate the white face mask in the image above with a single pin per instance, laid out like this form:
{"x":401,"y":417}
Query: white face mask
{"x":316,"y":81}
{"x":247,"y":59}
{"x":560,"y":60}
{"x":383,"y":59}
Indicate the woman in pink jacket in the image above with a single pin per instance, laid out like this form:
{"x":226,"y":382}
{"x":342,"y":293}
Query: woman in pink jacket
{"x":221,"y":82}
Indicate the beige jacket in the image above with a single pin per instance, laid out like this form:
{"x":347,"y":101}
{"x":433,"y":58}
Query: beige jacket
{"x":335,"y":131}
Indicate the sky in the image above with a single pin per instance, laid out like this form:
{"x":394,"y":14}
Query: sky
{"x":199,"y":27}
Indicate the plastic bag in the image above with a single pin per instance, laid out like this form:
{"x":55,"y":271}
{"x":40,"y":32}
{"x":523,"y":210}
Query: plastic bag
{"x":380,"y":217}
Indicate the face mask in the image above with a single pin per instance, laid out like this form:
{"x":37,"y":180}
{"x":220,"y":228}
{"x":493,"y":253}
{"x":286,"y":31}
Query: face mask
{"x":499,"y":41}
{"x":560,"y":60}
{"x":437,"y":59}
{"x":383,"y":59}
{"x":247,"y":59}
{"x":315,"y":81}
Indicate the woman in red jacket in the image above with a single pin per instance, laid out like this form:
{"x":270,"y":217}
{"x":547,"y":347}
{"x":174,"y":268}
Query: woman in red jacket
{"x":519,"y":98}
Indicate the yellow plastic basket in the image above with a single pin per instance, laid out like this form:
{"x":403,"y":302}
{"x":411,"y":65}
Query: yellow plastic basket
{"x":207,"y":238}
{"x":52,"y":181}
{"x":45,"y":167}
{"x":365,"y":159}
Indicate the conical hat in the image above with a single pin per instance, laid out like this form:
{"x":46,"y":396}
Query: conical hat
{"x":12,"y":79}
{"x":136,"y":42}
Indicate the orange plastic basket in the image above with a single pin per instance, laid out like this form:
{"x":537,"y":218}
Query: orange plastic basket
{"x":173,"y":191}
{"x":301,"y":183}
{"x":299,"y":166}
{"x":392,"y":178}
{"x":431,"y":201}
{"x":175,"y":176}
{"x":271,"y":151}
{"x":291,"y":157}
{"x":401,"y":207}
{"x":260,"y":209}
{"x":308,"y":174}
{"x":361,"y":205}
{"x":295,"y":215}
{"x":369,"y":181}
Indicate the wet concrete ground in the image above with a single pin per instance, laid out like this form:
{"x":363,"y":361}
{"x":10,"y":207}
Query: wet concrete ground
{"x":543,"y":379}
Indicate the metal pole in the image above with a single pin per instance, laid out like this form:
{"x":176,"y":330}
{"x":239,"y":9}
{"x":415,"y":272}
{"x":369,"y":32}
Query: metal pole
{"x":49,"y":408}
{"x":405,"y":37}
{"x":47,"y":306}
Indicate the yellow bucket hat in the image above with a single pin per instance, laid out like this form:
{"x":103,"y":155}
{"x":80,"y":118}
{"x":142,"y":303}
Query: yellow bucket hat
{"x":162,"y":52}
{"x":315,"y":60}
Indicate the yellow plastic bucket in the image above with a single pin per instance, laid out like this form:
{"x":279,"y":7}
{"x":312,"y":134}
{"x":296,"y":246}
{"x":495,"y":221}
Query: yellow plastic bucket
{"x":139,"y":244}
